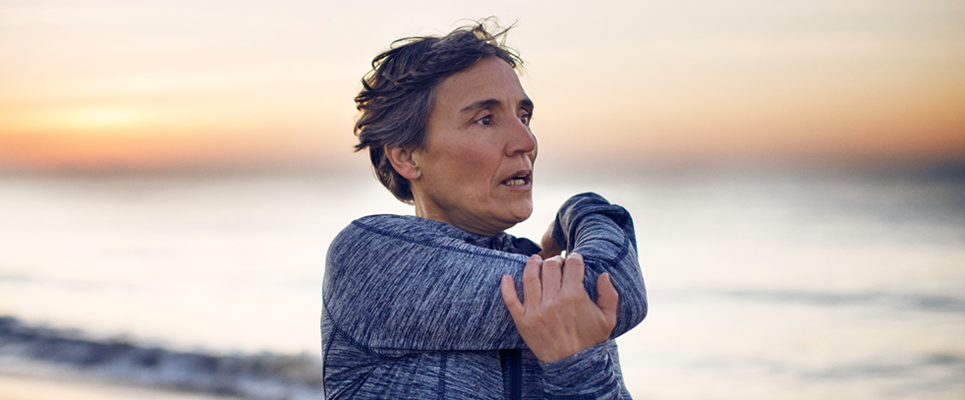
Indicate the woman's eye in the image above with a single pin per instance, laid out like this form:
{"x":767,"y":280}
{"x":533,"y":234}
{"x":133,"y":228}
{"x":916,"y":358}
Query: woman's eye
{"x":525,"y":118}
{"x":485,"y":120}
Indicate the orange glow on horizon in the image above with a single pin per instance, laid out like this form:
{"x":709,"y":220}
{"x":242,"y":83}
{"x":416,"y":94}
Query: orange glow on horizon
{"x":128,"y":86}
{"x":147,"y":153}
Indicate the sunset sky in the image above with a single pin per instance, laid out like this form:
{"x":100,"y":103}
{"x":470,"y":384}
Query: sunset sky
{"x":144,"y":85}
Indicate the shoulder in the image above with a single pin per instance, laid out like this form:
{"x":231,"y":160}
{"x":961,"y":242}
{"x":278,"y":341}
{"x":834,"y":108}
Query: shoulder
{"x":389,"y":227}
{"x":392,"y":225}
{"x":437,"y":234}
{"x":368,"y":230}
{"x":395,"y":233}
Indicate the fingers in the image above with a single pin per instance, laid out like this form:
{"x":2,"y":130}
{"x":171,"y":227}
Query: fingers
{"x":608,"y":298}
{"x":573,"y":272}
{"x":508,"y":288}
{"x":532,"y":287}
{"x":552,"y":276}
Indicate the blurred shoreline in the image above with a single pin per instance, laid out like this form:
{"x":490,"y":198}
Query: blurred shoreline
{"x":824,"y":283}
{"x":22,"y":379}
{"x":15,"y":386}
{"x":553,"y":166}
{"x":32,"y":356}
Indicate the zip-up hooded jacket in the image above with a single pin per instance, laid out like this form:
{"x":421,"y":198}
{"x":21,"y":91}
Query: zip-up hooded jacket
{"x":412,"y":309}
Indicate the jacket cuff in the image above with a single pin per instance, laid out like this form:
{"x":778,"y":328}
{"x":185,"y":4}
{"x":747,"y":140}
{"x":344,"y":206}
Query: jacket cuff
{"x":585,"y":373}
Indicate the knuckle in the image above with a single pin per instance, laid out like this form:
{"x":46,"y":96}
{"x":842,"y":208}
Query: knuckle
{"x":572,"y":297}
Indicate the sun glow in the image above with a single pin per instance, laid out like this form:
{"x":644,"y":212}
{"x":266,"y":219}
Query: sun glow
{"x":683,"y":81}
{"x":66,"y":121}
{"x":104,"y":117}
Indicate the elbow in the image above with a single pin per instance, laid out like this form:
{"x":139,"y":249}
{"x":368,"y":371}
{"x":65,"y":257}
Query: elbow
{"x":638,"y":307}
{"x":632,"y":310}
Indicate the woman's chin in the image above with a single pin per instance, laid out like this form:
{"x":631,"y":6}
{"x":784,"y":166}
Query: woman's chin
{"x":521,"y":212}
{"x":511,"y":216}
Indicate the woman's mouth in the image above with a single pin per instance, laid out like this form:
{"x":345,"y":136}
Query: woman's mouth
{"x":518,"y":180}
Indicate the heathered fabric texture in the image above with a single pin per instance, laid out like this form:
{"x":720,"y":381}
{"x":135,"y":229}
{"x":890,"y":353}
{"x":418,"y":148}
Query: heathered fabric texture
{"x":412,"y":308}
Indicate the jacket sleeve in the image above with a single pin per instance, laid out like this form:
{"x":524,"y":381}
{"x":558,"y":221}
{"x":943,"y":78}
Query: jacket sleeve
{"x":403,"y":288}
{"x":593,"y":373}
{"x":603,"y":234}
{"x":409,"y":290}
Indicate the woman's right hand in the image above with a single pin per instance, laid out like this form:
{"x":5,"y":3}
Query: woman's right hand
{"x":558,"y":319}
{"x":550,"y":246}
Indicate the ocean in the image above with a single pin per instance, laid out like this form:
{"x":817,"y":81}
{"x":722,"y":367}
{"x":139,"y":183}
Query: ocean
{"x":762,"y":285}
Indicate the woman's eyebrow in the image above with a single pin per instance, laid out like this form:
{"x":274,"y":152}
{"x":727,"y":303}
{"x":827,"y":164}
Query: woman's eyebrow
{"x":480,"y":104}
{"x":526,"y":102}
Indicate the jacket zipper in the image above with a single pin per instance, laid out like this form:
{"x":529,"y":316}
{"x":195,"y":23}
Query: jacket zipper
{"x":516,"y":374}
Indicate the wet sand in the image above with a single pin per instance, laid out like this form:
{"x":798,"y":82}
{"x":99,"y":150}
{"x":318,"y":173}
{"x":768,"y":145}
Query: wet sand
{"x":30,"y":380}
{"x":25,"y":387}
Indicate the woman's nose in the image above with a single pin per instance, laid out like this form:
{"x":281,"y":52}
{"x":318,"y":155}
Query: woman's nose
{"x":521,"y":139}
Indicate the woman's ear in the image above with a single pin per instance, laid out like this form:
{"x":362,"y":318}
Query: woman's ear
{"x":403,"y":162}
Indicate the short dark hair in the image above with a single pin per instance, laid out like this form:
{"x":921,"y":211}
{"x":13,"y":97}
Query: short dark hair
{"x":397,"y":94}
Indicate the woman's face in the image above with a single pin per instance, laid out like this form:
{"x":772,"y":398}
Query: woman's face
{"x":476,"y":169}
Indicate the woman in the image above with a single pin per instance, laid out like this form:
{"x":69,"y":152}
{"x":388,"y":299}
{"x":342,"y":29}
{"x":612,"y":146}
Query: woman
{"x":428,"y":306}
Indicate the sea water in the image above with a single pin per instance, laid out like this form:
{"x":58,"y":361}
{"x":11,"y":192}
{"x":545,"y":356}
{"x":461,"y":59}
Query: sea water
{"x":761,"y":285}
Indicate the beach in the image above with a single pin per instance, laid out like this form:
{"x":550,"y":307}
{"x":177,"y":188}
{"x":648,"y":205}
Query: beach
{"x":30,"y":380}
{"x":20,"y":387}
{"x":761,"y":285}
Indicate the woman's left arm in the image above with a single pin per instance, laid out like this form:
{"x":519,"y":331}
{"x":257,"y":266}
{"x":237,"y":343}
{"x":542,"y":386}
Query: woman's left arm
{"x":603,"y":234}
{"x":569,"y":333}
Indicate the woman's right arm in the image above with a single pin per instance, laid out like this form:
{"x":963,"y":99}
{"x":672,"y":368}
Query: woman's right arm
{"x":408,"y":289}
{"x":392,"y":284}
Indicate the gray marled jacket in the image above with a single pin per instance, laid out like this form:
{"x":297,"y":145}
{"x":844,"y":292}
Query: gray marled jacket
{"x":412,"y":309}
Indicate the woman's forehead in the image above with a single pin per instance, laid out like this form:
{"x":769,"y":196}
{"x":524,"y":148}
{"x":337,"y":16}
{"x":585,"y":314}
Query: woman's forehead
{"x":491,"y":82}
